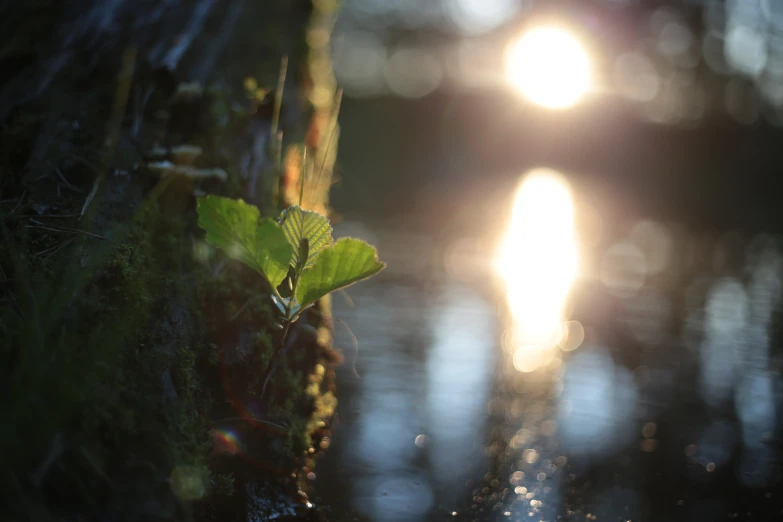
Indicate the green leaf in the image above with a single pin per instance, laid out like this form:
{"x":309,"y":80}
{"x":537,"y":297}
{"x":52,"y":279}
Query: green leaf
{"x":347,"y":261}
{"x":304,"y":254}
{"x":237,"y":228}
{"x":301,"y":224}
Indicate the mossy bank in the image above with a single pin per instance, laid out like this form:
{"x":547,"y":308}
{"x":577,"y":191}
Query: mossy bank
{"x":134,"y":352}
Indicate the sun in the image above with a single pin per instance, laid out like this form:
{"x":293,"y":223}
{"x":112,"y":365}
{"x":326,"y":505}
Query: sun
{"x":549,"y":66}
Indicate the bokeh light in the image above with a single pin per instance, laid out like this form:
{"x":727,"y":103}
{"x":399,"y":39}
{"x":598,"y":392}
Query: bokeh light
{"x":412,"y":72}
{"x":623,"y":269}
{"x":359,"y":62}
{"x":480,"y":16}
{"x":636,"y":77}
{"x":680,"y":69}
{"x":598,"y":396}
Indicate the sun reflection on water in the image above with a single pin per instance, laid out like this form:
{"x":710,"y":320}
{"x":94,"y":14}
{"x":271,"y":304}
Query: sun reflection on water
{"x":538,"y":261}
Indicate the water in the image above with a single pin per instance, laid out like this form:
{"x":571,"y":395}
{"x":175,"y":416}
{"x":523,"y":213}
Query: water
{"x":411,"y":418}
{"x":664,"y":400}
{"x":668,"y":408}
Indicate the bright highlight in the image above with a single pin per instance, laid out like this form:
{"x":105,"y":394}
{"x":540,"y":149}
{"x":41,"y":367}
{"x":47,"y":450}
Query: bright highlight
{"x":549,"y":67}
{"x":538,"y":260}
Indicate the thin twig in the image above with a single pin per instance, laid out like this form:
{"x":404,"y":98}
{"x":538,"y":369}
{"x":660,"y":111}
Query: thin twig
{"x":279,"y":151}
{"x":347,"y":298}
{"x":45,"y":250}
{"x":302,"y":175}
{"x":140,"y":102}
{"x":67,"y":183}
{"x":279,"y":94}
{"x":207,"y":61}
{"x":59,"y":248}
{"x":57,"y":228}
{"x":332,"y":131}
{"x":253,"y":419}
{"x":199,"y":16}
{"x":121,"y":95}
{"x":45,"y":228}
{"x":219,"y":268}
{"x":92,"y":166}
{"x":94,"y":464}
{"x":241,"y":309}
{"x":47,"y":216}
{"x":91,"y":195}
{"x":24,"y":193}
{"x":280,"y":173}
{"x":56,"y":449}
{"x":355,"y":347}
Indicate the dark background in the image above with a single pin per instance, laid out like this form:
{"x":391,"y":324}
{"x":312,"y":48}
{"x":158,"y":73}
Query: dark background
{"x":445,"y":165}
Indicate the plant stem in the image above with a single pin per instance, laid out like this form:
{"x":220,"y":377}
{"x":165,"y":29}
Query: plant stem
{"x":286,"y":328}
{"x":275,"y":355}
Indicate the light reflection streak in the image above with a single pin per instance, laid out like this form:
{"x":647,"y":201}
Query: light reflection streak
{"x":538,"y":261}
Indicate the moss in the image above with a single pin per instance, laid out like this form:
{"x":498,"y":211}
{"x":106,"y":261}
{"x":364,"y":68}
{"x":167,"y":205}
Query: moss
{"x":112,"y":356}
{"x":223,"y":484}
{"x":118,"y":350}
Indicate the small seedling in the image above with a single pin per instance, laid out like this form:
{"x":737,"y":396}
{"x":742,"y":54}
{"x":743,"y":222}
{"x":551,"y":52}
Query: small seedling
{"x":295,"y":253}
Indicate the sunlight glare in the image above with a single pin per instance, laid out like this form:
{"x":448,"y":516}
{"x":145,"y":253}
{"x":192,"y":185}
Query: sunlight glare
{"x":538,"y":261}
{"x":548,"y":66}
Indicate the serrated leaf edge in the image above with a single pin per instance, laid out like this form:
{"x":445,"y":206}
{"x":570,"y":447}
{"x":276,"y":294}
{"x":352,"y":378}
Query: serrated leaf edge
{"x":296,"y":216}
